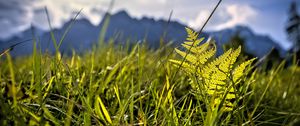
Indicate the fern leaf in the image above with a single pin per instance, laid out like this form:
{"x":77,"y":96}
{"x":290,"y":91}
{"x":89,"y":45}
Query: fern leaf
{"x":228,"y":106}
{"x":197,"y":49}
{"x":235,"y":55}
{"x":230,"y":60}
{"x":194,"y":43}
{"x":208,"y":70}
{"x":239,"y":71}
{"x":186,"y":66}
{"x":192,"y":49}
{"x":218,"y":75}
{"x":203,"y":47}
{"x":221,"y":58}
{"x":215,"y":74}
{"x":192,"y":35}
{"x":191,"y":58}
{"x":206,"y":55}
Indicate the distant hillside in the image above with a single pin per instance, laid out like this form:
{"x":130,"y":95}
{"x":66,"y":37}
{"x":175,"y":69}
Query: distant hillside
{"x":257,"y":45}
{"x":83,"y":35}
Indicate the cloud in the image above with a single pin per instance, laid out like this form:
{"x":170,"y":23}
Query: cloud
{"x":14,"y":17}
{"x":151,"y":1}
{"x":61,"y":11}
{"x":18,"y":15}
{"x":240,"y":14}
{"x":200,"y":19}
{"x":226,"y":17}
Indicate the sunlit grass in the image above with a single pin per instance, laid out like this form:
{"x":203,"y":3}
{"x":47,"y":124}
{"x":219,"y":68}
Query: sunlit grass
{"x":118,"y":85}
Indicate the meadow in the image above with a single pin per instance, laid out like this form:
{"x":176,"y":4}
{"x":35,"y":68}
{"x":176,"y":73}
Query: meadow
{"x":115,"y":84}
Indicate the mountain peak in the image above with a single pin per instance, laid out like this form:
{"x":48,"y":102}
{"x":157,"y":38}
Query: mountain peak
{"x":122,"y":13}
{"x":243,"y":31}
{"x":242,"y":28}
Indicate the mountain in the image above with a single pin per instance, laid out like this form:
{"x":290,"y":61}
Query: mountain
{"x":122,"y":27}
{"x":257,"y":45}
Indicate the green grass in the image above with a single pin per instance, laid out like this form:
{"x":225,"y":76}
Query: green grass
{"x":119,"y":85}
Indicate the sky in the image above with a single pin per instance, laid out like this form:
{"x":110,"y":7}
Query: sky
{"x":267,"y":17}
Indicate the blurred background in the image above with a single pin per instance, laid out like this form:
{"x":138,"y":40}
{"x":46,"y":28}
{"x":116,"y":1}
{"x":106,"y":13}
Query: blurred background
{"x":258,"y":25}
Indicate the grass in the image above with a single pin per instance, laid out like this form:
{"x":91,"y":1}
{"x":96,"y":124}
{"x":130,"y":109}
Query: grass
{"x":120,"y":85}
{"x":134,"y":85}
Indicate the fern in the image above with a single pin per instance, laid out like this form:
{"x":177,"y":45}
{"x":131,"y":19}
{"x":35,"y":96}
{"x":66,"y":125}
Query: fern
{"x":219,"y":78}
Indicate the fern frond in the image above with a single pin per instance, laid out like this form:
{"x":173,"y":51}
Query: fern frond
{"x":215,"y":74}
{"x":189,"y":57}
{"x":192,"y":49}
{"x":218,"y":75}
{"x":186,"y":66}
{"x":203,"y":47}
{"x":196,"y":42}
{"x":235,"y":55}
{"x":221,"y":58}
{"x":239,"y":70}
{"x":208,"y":70}
{"x":192,"y":35}
{"x":203,"y":57}
{"x":230,"y":60}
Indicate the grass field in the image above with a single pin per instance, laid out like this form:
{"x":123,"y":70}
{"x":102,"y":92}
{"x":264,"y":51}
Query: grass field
{"x":121,"y":85}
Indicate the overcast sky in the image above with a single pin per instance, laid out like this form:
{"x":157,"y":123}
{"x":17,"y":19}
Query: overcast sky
{"x":263,"y":16}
